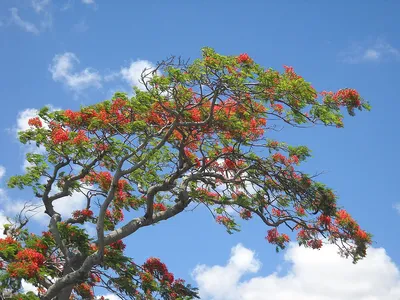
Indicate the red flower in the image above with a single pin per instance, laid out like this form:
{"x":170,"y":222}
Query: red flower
{"x":326,"y":220}
{"x":195,"y":114}
{"x":87,"y":213}
{"x":278,"y":108}
{"x":272,"y":235}
{"x":315,"y":244}
{"x":300,"y":211}
{"x":244,"y":58}
{"x":59,"y":135}
{"x":36,"y":122}
{"x":230,"y":164}
{"x":159,"y":207}
{"x":223,"y":220}
{"x":278,"y":157}
{"x":294,"y":159}
{"x":27,"y":265}
{"x":118,"y":245}
{"x":228,"y":149}
{"x":278,"y":213}
{"x":80,"y":138}
{"x":245,"y":214}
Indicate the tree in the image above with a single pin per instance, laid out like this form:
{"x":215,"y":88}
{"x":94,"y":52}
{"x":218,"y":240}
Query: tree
{"x":195,"y":135}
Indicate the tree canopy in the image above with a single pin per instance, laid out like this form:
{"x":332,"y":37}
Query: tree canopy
{"x":196,"y":134}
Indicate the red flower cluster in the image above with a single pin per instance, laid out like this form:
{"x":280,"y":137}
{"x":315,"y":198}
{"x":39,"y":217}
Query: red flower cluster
{"x":59,"y":135}
{"x":95,"y":277}
{"x":300,"y":211}
{"x":118,"y":114}
{"x":278,"y":213}
{"x":7,"y":242}
{"x":223,"y":220}
{"x":27,"y":265}
{"x":244,"y":58}
{"x":159,"y":207}
{"x":103,"y":179}
{"x":315,"y":244}
{"x":158,"y":269}
{"x":87,"y":213}
{"x":303,"y":235}
{"x":229,"y":164}
{"x":274,"y":237}
{"x":289,"y":71}
{"x":31,"y":255}
{"x":80,"y":138}
{"x":344,"y":219}
{"x":361,"y":234}
{"x":207,"y":193}
{"x":245,"y":214}
{"x":325,"y":220}
{"x":349,"y":97}
{"x":273,"y":144}
{"x":278,"y":108}
{"x":85,"y":290}
{"x":228,"y":149}
{"x":294,"y":159}
{"x":118,"y":245}
{"x":278,"y":157}
{"x":35,"y":122}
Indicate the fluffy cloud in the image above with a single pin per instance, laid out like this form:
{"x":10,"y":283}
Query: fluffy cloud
{"x":313,"y":275}
{"x":132,"y":74}
{"x":377,"y":51}
{"x":62,"y":70}
{"x":23,"y":118}
{"x":88,"y":1}
{"x":25,"y":25}
{"x":63,"y":65}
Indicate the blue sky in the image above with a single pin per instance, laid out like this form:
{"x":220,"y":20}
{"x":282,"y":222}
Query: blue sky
{"x":69,"y":53}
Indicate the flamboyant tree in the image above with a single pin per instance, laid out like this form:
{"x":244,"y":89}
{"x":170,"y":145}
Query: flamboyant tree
{"x":196,"y":135}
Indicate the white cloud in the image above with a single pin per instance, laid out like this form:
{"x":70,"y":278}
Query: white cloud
{"x":29,"y":113}
{"x":88,"y":1}
{"x":377,"y":51}
{"x":132,"y":74}
{"x":25,"y":25}
{"x":62,"y":70}
{"x":65,"y":206}
{"x":2,"y":171}
{"x":313,"y":275}
{"x":23,"y":118}
{"x":40,"y":5}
